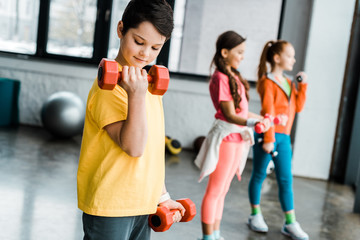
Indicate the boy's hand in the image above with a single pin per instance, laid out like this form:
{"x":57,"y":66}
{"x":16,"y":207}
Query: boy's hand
{"x":134,"y":80}
{"x":171,"y":204}
{"x":268,"y":147}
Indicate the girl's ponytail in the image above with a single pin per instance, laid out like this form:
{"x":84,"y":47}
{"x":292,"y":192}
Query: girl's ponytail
{"x":271,"y":49}
{"x":262,"y":68}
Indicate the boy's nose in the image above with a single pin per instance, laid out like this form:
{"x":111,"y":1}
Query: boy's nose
{"x":144,"y":52}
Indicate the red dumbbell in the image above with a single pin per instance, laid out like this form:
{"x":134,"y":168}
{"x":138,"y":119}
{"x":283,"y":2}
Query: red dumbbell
{"x":260,"y":126}
{"x":163,"y":218}
{"x":280,"y":119}
{"x":109,"y":76}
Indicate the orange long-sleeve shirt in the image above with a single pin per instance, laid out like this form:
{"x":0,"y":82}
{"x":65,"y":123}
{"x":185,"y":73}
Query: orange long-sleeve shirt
{"x":274,"y":101}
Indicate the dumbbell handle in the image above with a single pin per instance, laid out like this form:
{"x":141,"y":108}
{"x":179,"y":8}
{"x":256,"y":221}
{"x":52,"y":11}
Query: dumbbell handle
{"x":100,"y":75}
{"x":163,"y":218}
{"x":109,"y":76}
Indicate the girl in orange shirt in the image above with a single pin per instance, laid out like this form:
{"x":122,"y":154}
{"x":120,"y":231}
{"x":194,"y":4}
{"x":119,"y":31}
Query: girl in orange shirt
{"x":279,"y":95}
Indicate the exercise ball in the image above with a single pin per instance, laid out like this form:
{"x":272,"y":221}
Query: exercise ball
{"x":63,"y":114}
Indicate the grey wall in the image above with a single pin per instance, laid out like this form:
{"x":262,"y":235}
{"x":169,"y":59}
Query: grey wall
{"x":325,"y":62}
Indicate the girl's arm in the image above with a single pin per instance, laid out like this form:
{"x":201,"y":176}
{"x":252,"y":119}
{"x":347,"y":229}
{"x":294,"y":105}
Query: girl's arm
{"x":254,"y":115}
{"x":267,"y":106}
{"x":131,"y":134}
{"x":228,"y":109}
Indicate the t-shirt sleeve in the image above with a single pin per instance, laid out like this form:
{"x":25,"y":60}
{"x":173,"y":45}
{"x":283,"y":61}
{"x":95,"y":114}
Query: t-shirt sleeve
{"x":107,"y":107}
{"x":224,"y":88}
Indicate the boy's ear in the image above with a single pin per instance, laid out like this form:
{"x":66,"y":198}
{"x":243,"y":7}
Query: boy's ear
{"x":120,"y":28}
{"x":224,"y":52}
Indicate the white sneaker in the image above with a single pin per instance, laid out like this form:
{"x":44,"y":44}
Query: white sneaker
{"x":294,"y":231}
{"x":257,"y":223}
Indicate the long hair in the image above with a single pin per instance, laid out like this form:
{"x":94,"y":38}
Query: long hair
{"x":229,"y":40}
{"x":271,"y":49}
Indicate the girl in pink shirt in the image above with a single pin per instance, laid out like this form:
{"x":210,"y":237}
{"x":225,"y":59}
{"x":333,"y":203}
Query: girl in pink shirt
{"x":229,"y":93}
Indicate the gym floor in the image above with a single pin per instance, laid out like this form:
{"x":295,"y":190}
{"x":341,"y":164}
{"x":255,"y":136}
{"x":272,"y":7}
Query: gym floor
{"x":38,"y":195}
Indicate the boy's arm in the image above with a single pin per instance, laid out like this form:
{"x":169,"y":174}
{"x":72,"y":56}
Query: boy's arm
{"x":131,"y":134}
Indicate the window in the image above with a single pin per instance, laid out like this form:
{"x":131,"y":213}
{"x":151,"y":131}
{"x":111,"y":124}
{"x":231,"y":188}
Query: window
{"x":72,"y":28}
{"x":177,"y":34}
{"x":85,"y":30}
{"x":19,"y":25}
{"x":117,"y":11}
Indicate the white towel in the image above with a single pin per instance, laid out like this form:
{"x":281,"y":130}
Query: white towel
{"x":208,"y":155}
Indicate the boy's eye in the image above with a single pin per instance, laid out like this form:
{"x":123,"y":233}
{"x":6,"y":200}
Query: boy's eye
{"x":154,"y":48}
{"x":138,"y":43}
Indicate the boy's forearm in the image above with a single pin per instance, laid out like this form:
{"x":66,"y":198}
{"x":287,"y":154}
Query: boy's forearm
{"x":134,"y":132}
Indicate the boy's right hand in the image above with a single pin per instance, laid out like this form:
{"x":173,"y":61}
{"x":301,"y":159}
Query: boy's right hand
{"x":134,"y":80}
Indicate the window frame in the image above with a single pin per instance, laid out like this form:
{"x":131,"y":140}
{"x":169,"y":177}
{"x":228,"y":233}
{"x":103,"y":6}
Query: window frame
{"x":101,"y":40}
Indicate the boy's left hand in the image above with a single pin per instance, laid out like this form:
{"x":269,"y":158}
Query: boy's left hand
{"x":171,"y":204}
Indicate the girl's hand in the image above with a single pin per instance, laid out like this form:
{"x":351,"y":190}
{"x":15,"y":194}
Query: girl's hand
{"x":134,"y":80}
{"x":267,"y":123}
{"x":171,"y":204}
{"x":303,"y":76}
{"x":268,"y":147}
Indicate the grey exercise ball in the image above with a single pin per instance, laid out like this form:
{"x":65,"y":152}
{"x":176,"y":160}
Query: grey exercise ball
{"x":63,"y":114}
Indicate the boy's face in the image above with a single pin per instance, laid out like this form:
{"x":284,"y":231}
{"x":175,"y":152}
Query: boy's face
{"x":139,"y":46}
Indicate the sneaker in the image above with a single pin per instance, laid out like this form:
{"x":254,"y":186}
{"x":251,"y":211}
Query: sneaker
{"x":294,"y":231}
{"x":257,"y":223}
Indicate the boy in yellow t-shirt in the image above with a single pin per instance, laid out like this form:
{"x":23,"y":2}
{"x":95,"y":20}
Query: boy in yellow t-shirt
{"x":121,"y":174}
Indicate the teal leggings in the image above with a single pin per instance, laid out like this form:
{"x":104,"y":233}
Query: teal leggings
{"x":282,"y":164}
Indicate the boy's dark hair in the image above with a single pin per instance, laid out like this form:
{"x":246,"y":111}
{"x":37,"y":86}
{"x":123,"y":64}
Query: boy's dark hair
{"x":158,"y":12}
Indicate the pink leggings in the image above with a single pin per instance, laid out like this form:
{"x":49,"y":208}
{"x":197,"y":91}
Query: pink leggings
{"x":220,"y":180}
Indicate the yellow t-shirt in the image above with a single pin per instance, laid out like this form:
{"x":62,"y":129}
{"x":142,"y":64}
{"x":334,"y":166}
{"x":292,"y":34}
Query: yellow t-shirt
{"x":110,"y":182}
